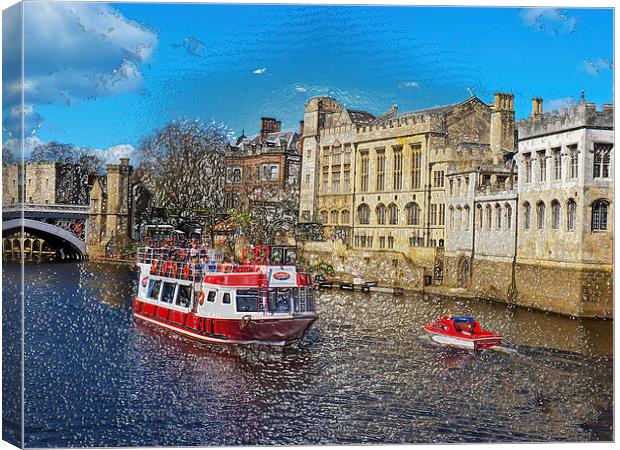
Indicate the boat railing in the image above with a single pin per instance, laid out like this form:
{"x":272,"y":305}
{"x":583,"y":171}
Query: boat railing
{"x":147,"y":255}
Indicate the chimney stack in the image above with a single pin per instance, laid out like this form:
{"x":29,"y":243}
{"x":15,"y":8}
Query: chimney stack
{"x":537,"y":106}
{"x":268,"y":125}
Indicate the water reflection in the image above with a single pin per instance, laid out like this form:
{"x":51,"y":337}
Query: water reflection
{"x":364,"y":373}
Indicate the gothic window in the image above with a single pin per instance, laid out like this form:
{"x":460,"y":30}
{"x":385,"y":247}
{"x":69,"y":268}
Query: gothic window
{"x":438,"y":178}
{"x":397,"y":178}
{"x":489,"y":216}
{"x":527,"y":164}
{"x":555,"y":214}
{"x":542,"y":166}
{"x":416,"y":166}
{"x":571,"y":214}
{"x":498,"y":216}
{"x":540,"y":215}
{"x":479,"y":216}
{"x":363,"y":214}
{"x":602,"y":156}
{"x":557,"y":163}
{"x":380,"y":182}
{"x":600,"y":210}
{"x":323,"y":217}
{"x":393,"y":214}
{"x":527,"y":213}
{"x":574,"y":160}
{"x":345,"y":217}
{"x":381,"y":213}
{"x":442,"y":214}
{"x":466,"y":220}
{"x":334,"y":217}
{"x":412,"y":211}
{"x":336,"y":181}
{"x":458,"y":222}
{"x":434,"y":214}
{"x":364,"y":172}
{"x":508,"y":210}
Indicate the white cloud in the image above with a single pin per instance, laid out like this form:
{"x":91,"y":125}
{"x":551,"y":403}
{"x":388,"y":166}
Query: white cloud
{"x":300,"y":88}
{"x":260,"y":71}
{"x":111,"y":155}
{"x":413,"y":84}
{"x":13,"y":146}
{"x":77,"y":51}
{"x":549,"y":20}
{"x":597,"y":66}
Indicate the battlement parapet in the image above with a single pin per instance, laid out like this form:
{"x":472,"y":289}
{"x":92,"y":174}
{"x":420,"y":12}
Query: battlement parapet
{"x":577,"y":116}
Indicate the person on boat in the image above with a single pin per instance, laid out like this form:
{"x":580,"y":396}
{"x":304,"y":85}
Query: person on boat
{"x":282,"y":304}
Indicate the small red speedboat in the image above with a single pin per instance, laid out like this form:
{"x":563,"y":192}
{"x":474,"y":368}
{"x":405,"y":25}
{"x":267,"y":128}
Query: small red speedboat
{"x":462,"y":332}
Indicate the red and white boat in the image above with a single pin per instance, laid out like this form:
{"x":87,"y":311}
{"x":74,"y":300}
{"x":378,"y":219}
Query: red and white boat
{"x":461,"y":332}
{"x":264,"y":300}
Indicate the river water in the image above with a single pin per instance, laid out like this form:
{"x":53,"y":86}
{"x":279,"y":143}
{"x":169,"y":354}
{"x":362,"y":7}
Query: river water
{"x":363,"y":374}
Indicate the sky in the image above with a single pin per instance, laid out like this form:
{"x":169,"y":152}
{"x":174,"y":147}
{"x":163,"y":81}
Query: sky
{"x":106,"y":75}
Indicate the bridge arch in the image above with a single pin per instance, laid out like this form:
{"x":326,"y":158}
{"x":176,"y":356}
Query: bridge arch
{"x":66,"y":236}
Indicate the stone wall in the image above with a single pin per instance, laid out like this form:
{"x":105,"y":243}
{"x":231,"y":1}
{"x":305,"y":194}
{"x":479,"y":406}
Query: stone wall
{"x":388,"y":268}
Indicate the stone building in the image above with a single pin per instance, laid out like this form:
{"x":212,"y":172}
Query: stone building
{"x":566,"y":164}
{"x":11,"y":189}
{"x":378,"y":183}
{"x":262,"y":173}
{"x":46,"y":182}
{"x":109,"y":224}
{"x":543,"y":238}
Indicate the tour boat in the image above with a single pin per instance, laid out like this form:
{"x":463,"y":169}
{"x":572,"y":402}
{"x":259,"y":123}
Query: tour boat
{"x":263,"y":301}
{"x":462,"y":332}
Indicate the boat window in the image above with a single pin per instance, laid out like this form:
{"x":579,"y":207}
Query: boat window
{"x":277,"y":256}
{"x":309,"y":299}
{"x":184,"y":296}
{"x":247,"y":300}
{"x":211,"y":296}
{"x":153,"y":290}
{"x":168,"y":292}
{"x":226,"y":298}
{"x":280,"y":300}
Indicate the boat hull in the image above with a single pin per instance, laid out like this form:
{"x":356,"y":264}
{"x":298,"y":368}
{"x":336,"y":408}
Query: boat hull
{"x":226,"y":331}
{"x":467,"y":343}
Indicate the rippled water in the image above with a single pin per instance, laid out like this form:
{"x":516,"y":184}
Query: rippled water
{"x":363,"y":374}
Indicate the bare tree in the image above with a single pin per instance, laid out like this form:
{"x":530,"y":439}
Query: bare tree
{"x":182,"y":165}
{"x":87,"y":158}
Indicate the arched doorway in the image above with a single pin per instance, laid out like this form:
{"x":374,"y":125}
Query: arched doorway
{"x":464,"y":272}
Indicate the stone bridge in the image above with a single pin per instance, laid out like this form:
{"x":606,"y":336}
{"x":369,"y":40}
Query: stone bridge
{"x":63,"y":225}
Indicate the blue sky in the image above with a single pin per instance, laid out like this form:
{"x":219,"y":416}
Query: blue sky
{"x":106,"y":75}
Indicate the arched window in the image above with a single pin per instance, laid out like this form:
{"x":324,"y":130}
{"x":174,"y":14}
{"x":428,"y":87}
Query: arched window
{"x":363,"y":214}
{"x":540,"y":215}
{"x":393,"y":214}
{"x":479,"y":214}
{"x":508,"y":210}
{"x":600,"y":210}
{"x":345,"y":217}
{"x":489,"y":213}
{"x":555,"y":214}
{"x":571,"y":214}
{"x":451,"y":217}
{"x":466,"y":218}
{"x":527,"y":215}
{"x":334,"y":217}
{"x":380,"y":211}
{"x":323,"y":217}
{"x":412,"y":211}
{"x":498,"y":216}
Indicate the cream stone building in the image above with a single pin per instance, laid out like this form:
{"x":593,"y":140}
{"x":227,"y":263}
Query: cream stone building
{"x":45,"y":182}
{"x":379,"y":183}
